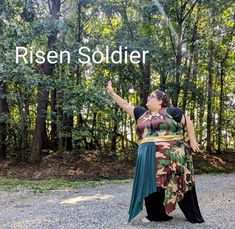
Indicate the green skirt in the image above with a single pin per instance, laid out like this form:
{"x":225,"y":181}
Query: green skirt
{"x":145,"y":177}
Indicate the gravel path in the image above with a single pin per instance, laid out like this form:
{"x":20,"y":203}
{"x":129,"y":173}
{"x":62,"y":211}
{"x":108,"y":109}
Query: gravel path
{"x":107,"y":207}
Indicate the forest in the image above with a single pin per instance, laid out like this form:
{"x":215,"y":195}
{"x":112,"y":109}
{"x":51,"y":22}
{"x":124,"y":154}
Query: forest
{"x":56,"y":107}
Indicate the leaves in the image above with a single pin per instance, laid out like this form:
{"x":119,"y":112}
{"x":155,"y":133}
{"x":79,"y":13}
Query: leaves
{"x":175,"y":47}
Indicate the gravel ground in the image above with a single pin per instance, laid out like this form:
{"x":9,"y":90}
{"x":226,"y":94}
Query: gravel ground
{"x":107,"y":207}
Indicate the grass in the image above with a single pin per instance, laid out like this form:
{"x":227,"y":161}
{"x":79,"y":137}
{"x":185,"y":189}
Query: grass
{"x":37,"y":186}
{"x":203,"y":163}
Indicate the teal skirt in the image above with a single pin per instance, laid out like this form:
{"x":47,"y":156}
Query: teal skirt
{"x":145,"y":177}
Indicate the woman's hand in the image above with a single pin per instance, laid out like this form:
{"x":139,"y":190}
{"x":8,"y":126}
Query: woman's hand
{"x":191,"y":133}
{"x":194,"y":145}
{"x":109,"y":88}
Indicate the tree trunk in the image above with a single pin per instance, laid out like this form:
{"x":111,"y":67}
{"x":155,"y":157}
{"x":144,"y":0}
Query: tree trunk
{"x":115,"y":128}
{"x":54,"y":134}
{"x":23,"y":106}
{"x":145,"y":83}
{"x":163,"y":78}
{"x":69,"y":127}
{"x":93,"y":132}
{"x":60,"y":121}
{"x":194,"y":95}
{"x":4,"y":112}
{"x":38,"y":136}
{"x":209,"y":98}
{"x":200,"y":122}
{"x":178,"y":71}
{"x":40,"y":128}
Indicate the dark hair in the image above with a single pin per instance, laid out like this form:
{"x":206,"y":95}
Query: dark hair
{"x":162,"y":96}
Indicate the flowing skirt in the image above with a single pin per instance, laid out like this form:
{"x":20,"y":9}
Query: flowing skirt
{"x":167,"y":165}
{"x":145,"y":177}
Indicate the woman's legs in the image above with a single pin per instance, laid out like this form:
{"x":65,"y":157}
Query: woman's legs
{"x":189,"y":206}
{"x":155,"y":208}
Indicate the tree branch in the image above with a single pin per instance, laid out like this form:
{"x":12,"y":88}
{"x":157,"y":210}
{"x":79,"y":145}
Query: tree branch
{"x":190,"y":10}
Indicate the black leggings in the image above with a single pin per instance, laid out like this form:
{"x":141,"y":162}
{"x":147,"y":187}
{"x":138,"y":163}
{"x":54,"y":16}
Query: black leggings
{"x":188,"y":205}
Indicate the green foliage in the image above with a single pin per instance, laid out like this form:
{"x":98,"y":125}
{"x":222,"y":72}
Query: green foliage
{"x":81,"y":88}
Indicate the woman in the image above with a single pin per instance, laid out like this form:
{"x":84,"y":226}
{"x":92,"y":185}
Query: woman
{"x":164,"y":173}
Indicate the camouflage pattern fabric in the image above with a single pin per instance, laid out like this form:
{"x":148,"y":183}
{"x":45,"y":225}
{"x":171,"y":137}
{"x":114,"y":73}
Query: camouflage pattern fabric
{"x":174,"y":164}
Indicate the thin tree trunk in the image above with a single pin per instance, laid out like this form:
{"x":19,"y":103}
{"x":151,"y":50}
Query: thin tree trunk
{"x":178,"y":70}
{"x":163,"y":72}
{"x":145,"y":83}
{"x":23,"y":121}
{"x":93,"y":131}
{"x":194,"y":95}
{"x":54,"y":134}
{"x":114,"y":132}
{"x":4,"y":112}
{"x":220,"y":108}
{"x":131,"y":130}
{"x":69,"y":127}
{"x":209,"y":97}
{"x":60,"y":121}
{"x":200,"y":122}
{"x":125,"y":130}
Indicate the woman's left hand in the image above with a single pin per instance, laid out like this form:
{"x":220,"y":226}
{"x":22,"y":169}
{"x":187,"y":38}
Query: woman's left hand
{"x":194,"y":145}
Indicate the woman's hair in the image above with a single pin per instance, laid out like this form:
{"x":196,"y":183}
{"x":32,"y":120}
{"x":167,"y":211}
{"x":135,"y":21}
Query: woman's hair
{"x":162,"y":96}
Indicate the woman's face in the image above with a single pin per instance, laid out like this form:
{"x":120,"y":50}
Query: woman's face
{"x":153,"y":103}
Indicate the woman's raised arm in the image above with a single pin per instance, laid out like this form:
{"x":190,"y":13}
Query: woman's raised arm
{"x":119,"y":100}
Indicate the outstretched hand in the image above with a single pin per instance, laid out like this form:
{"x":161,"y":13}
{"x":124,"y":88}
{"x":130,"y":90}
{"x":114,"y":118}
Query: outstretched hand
{"x":109,"y":88}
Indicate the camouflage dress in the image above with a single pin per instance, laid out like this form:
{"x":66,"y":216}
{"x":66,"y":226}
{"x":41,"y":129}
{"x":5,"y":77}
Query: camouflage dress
{"x":173,"y":165}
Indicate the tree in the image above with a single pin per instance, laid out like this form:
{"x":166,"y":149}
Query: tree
{"x":39,"y":137}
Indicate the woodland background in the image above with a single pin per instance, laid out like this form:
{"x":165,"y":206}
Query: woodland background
{"x":63,"y":109}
